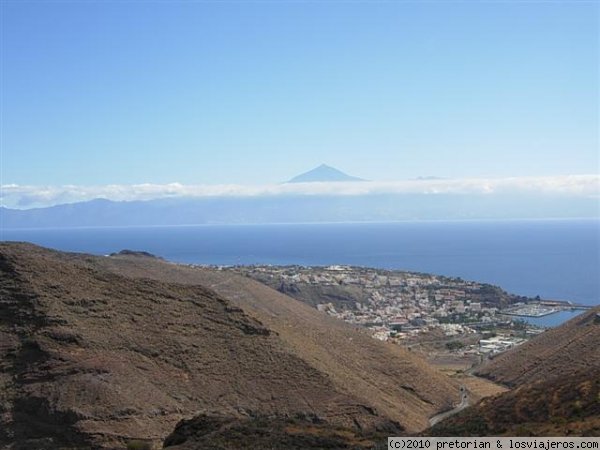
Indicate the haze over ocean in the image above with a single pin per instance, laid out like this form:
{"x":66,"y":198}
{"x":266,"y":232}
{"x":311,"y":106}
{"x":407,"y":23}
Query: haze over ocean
{"x":556,"y":259}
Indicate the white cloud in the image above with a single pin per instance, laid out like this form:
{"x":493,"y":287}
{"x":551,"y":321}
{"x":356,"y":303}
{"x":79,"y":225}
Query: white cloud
{"x":28,"y":196}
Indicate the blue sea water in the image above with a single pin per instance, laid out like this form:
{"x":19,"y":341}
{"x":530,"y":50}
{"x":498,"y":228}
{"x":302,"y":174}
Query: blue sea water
{"x":556,"y":259}
{"x":552,"y":320}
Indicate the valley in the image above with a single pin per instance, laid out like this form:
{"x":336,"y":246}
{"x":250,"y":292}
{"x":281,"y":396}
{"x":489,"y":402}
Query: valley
{"x":105,"y":352}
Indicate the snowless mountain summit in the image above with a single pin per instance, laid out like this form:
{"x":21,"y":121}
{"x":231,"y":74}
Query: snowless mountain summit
{"x":323,"y":173}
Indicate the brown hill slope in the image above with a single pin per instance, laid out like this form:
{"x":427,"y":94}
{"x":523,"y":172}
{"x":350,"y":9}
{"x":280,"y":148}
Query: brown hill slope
{"x":558,"y":352}
{"x":563,"y":406}
{"x":89,"y":357}
{"x":399,"y":384}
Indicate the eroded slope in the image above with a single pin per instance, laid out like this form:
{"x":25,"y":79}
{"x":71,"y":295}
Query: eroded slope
{"x":397,"y":383}
{"x":92,"y":358}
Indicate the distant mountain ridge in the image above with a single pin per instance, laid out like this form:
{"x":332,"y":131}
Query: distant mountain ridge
{"x":296,"y":209}
{"x":323,"y":173}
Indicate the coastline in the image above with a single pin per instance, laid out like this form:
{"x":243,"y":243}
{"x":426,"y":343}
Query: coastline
{"x":508,"y":254}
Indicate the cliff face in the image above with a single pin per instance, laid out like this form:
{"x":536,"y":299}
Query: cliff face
{"x":94,"y":352}
{"x":557,"y":353}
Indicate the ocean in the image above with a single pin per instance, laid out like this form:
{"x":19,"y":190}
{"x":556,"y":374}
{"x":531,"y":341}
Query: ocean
{"x":555,"y":259}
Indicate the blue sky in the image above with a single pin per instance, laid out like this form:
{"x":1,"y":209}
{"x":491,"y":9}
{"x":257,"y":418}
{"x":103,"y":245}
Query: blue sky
{"x":97,"y":93}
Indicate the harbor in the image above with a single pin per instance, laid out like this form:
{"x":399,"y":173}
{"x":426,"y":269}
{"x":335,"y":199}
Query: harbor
{"x":542,"y":308}
{"x":545,"y":313}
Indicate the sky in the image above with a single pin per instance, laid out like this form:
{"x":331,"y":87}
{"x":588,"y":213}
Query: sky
{"x":253,"y":93}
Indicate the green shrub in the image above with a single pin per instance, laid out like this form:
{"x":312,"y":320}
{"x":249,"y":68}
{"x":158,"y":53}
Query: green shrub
{"x":139,"y":445}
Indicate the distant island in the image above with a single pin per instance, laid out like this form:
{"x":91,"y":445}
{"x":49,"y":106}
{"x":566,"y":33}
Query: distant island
{"x":323,"y":194}
{"x":323,"y":173}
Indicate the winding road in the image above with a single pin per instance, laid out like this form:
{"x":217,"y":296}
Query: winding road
{"x":464,"y":402}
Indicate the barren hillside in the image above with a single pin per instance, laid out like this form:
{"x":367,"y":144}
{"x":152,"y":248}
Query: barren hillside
{"x":558,"y":352}
{"x":400,"y":384}
{"x":557,"y":387}
{"x":564,"y":406}
{"x":98,"y":351}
